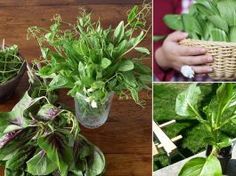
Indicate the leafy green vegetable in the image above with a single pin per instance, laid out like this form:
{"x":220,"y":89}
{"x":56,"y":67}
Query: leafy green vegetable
{"x":219,"y":112}
{"x":227,"y":11}
{"x":187,"y":101}
{"x":92,"y":61}
{"x":202,"y":167}
{"x":218,"y":35}
{"x":232,"y":36}
{"x":10,"y":63}
{"x":207,"y":20}
{"x":174,"y":22}
{"x":39,"y":138}
{"x":219,"y":22}
{"x":45,"y":166}
{"x":191,"y":25}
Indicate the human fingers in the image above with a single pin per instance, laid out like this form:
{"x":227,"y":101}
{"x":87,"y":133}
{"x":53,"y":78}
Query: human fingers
{"x":202,"y":69}
{"x":190,"y":51}
{"x":196,"y":60}
{"x":177,"y":36}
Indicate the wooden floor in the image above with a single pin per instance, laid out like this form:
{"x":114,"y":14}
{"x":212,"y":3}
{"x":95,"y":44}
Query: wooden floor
{"x":126,"y":138}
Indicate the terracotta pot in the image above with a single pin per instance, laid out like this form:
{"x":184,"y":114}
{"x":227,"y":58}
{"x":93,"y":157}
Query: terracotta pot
{"x":8,"y":88}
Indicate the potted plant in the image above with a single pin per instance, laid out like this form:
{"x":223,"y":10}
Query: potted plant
{"x":214,"y":116}
{"x":12,"y":68}
{"x":39,"y":138}
{"x":95,"y":63}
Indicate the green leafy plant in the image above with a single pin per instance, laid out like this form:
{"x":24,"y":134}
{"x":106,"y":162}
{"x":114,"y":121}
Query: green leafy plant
{"x":10,"y":63}
{"x":214,"y":116}
{"x":39,"y":138}
{"x":212,"y":20}
{"x":91,"y":61}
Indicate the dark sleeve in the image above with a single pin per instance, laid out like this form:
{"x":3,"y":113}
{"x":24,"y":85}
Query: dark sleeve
{"x":161,"y":8}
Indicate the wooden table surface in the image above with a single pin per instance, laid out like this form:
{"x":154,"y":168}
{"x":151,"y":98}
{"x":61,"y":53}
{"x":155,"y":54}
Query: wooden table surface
{"x":126,"y":137}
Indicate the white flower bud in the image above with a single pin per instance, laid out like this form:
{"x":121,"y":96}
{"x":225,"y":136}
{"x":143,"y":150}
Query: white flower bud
{"x":94,"y":104}
{"x":90,"y":90}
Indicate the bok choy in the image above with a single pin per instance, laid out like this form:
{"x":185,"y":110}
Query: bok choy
{"x":213,"y":20}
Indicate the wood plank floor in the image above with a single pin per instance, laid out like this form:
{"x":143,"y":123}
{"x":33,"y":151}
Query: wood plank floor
{"x":126,"y":138}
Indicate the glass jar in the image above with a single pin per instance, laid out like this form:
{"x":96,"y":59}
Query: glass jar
{"x":92,"y":116}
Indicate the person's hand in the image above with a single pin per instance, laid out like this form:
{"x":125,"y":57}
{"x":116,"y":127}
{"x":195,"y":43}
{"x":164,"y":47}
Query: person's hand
{"x":172,"y":55}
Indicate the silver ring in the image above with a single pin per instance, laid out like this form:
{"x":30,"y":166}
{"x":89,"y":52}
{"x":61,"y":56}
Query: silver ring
{"x":187,"y":71}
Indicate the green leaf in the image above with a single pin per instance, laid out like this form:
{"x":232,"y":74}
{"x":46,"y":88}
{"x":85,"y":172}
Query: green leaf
{"x":46,"y":72}
{"x":207,"y":31}
{"x":187,"y":101}
{"x":206,"y":8}
{"x":202,"y":167}
{"x":225,"y":94}
{"x":191,"y":25}
{"x":11,"y":128}
{"x":48,"y":112}
{"x":126,"y":65}
{"x":232,"y":35}
{"x":4,"y":122}
{"x":227,"y":11}
{"x":40,"y":164}
{"x":142,"y":50}
{"x":146,"y":79}
{"x":174,"y":22}
{"x":218,"y":35}
{"x":119,"y":31}
{"x":17,"y":113}
{"x":136,"y":40}
{"x":58,"y":149}
{"x":96,"y":163}
{"x":142,"y":69}
{"x":58,"y":82}
{"x":158,"y":38}
{"x":133,"y":14}
{"x":219,"y":22}
{"x":90,"y":158}
{"x":121,"y":48}
{"x":44,"y":52}
{"x":209,"y":5}
{"x":18,"y":160}
{"x":105,"y":63}
{"x":15,"y":172}
{"x":225,"y":142}
{"x":12,"y":141}
{"x":220,"y":110}
{"x":81,"y":69}
{"x":98,"y":85}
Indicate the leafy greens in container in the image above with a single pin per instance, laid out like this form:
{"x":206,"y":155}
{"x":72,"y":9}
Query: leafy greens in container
{"x":93,"y":61}
{"x":213,"y":20}
{"x":10,"y":63}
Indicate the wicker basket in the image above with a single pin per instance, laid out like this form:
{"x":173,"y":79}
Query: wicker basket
{"x":224,"y":55}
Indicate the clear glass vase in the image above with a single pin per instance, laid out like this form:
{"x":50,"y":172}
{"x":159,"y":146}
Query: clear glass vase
{"x":92,"y":117}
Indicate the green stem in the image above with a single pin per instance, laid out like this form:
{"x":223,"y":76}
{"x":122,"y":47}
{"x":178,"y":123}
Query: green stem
{"x":129,"y":50}
{"x":198,"y":116}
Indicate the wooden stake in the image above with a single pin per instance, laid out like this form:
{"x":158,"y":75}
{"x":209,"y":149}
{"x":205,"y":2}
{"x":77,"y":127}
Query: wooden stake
{"x":167,"y":123}
{"x":168,"y":145}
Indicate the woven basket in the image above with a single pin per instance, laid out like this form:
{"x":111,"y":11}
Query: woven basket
{"x":224,"y":55}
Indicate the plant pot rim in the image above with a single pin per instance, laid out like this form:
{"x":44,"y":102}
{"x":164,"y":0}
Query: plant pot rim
{"x":19,"y":74}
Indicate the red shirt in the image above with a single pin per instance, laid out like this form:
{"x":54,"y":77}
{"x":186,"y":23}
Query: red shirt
{"x":161,"y":8}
